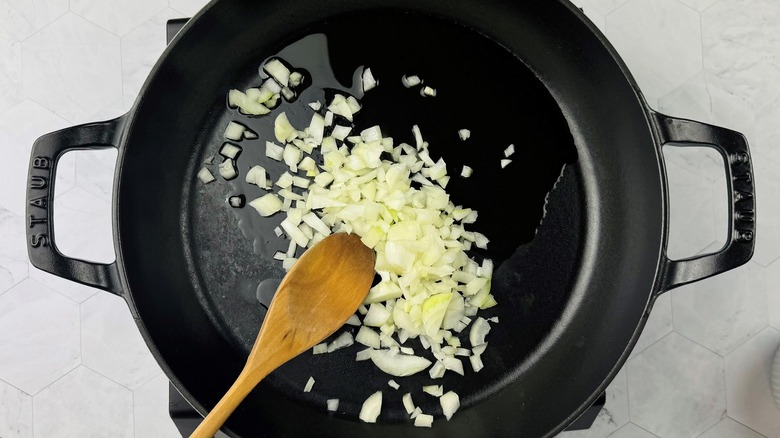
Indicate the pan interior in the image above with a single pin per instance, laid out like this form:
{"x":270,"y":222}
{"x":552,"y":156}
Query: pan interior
{"x":480,"y":86}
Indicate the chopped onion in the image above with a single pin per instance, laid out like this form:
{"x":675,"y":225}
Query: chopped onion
{"x":466,"y":172}
{"x":257,"y":176}
{"x":230,"y":151}
{"x":288,"y":94}
{"x":340,"y":107}
{"x":377,"y":315}
{"x":362,"y":309}
{"x":283,"y":130}
{"x":317,"y":128}
{"x":295,"y":79}
{"x":343,"y":340}
{"x":285,"y":180}
{"x":410,"y":81}
{"x":393,"y":384}
{"x":505,"y":163}
{"x":417,"y":137}
{"x":237,"y":201}
{"x":479,"y":349}
{"x":476,"y":363}
{"x":328,"y":118}
{"x":333,"y":404}
{"x":399,"y":365}
{"x":450,"y":402}
{"x":464,"y":134}
{"x":368,"y":80}
{"x":274,"y":151}
{"x":228,"y":169}
{"x":300,"y":182}
{"x":493,"y":319}
{"x":309,"y":385}
{"x":408,"y":402}
{"x":292,"y":156}
{"x":234,"y":131}
{"x":340,"y":132}
{"x":428,"y":91}
{"x":437,"y":370}
{"x":371,"y":134}
{"x":316,"y":105}
{"x":278,"y":255}
{"x":320,"y":348}
{"x":479,"y":330}
{"x":278,"y":71}
{"x":363,"y":355}
{"x":368,"y":337}
{"x":249,"y":134}
{"x":205,"y":176}
{"x":353,"y":320}
{"x":417,"y":411}
{"x":434,"y":390}
{"x":278,"y":231}
{"x":371,"y":408}
{"x":423,"y":420}
{"x":509,"y":151}
{"x":267,"y":204}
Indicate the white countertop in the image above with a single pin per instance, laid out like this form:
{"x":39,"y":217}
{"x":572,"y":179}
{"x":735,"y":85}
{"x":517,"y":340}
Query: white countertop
{"x":73,"y":364}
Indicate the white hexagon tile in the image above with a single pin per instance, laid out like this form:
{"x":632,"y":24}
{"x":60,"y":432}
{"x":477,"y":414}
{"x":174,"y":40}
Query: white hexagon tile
{"x":73,"y":364}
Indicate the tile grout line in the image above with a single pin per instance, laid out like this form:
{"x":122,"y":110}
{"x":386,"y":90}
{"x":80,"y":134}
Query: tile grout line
{"x":105,"y":376}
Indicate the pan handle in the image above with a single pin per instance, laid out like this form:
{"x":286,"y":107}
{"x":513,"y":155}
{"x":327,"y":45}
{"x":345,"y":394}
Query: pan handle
{"x":42,"y":248}
{"x":739,"y":177}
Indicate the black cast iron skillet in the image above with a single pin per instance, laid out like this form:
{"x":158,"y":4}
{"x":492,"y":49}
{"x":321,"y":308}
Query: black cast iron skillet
{"x":574,"y":294}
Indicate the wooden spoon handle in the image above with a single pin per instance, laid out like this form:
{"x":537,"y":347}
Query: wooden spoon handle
{"x":243,"y":385}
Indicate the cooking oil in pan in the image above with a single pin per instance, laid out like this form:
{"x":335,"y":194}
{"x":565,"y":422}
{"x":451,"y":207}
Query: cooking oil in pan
{"x":479,"y":86}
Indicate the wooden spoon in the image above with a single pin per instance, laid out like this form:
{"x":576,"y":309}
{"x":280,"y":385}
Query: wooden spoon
{"x":321,"y":291}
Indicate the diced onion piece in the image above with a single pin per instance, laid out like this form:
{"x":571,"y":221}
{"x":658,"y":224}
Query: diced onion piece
{"x":278,"y":231}
{"x":377,"y":315}
{"x":301,"y":182}
{"x":333,"y":404}
{"x":410,"y":81}
{"x":294,"y":233}
{"x":453,"y":364}
{"x":320,"y":348}
{"x":434,"y":390}
{"x":278,"y":255}
{"x":237,"y":201}
{"x":464,"y":134}
{"x":295,"y":79}
{"x":371,"y":408}
{"x":317,"y":128}
{"x":288,"y":263}
{"x":417,"y":411}
{"x":437,"y":370}
{"x":479,"y":349}
{"x":433,"y":311}
{"x":205,"y":176}
{"x":340,"y":107}
{"x":340,"y":132}
{"x":428,"y":91}
{"x":354,"y":105}
{"x":288,"y":94}
{"x":368,"y":337}
{"x":408,"y":402}
{"x":363,"y":355}
{"x":480,"y":240}
{"x":274,"y":151}
{"x":505,"y":163}
{"x":278,"y":71}
{"x":418,"y":139}
{"x":328,"y":118}
{"x":316,"y":105}
{"x":283,"y":130}
{"x":493,"y":319}
{"x":479,"y":330}
{"x":234,"y":131}
{"x":285,"y":180}
{"x":423,"y":420}
{"x":343,"y":340}
{"x":257,"y":176}
{"x":249,"y":134}
{"x":316,"y":223}
{"x":476,"y":363}
{"x":309,"y":385}
{"x":509,"y":151}
{"x":466,"y":172}
{"x":292,"y":156}
{"x":450,"y":402}
{"x":371,"y":134}
{"x":369,"y":82}
{"x":393,"y":384}
{"x":462,"y":352}
{"x":267,"y":204}
{"x":399,"y":365}
{"x":362,"y":309}
{"x":228,"y":169}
